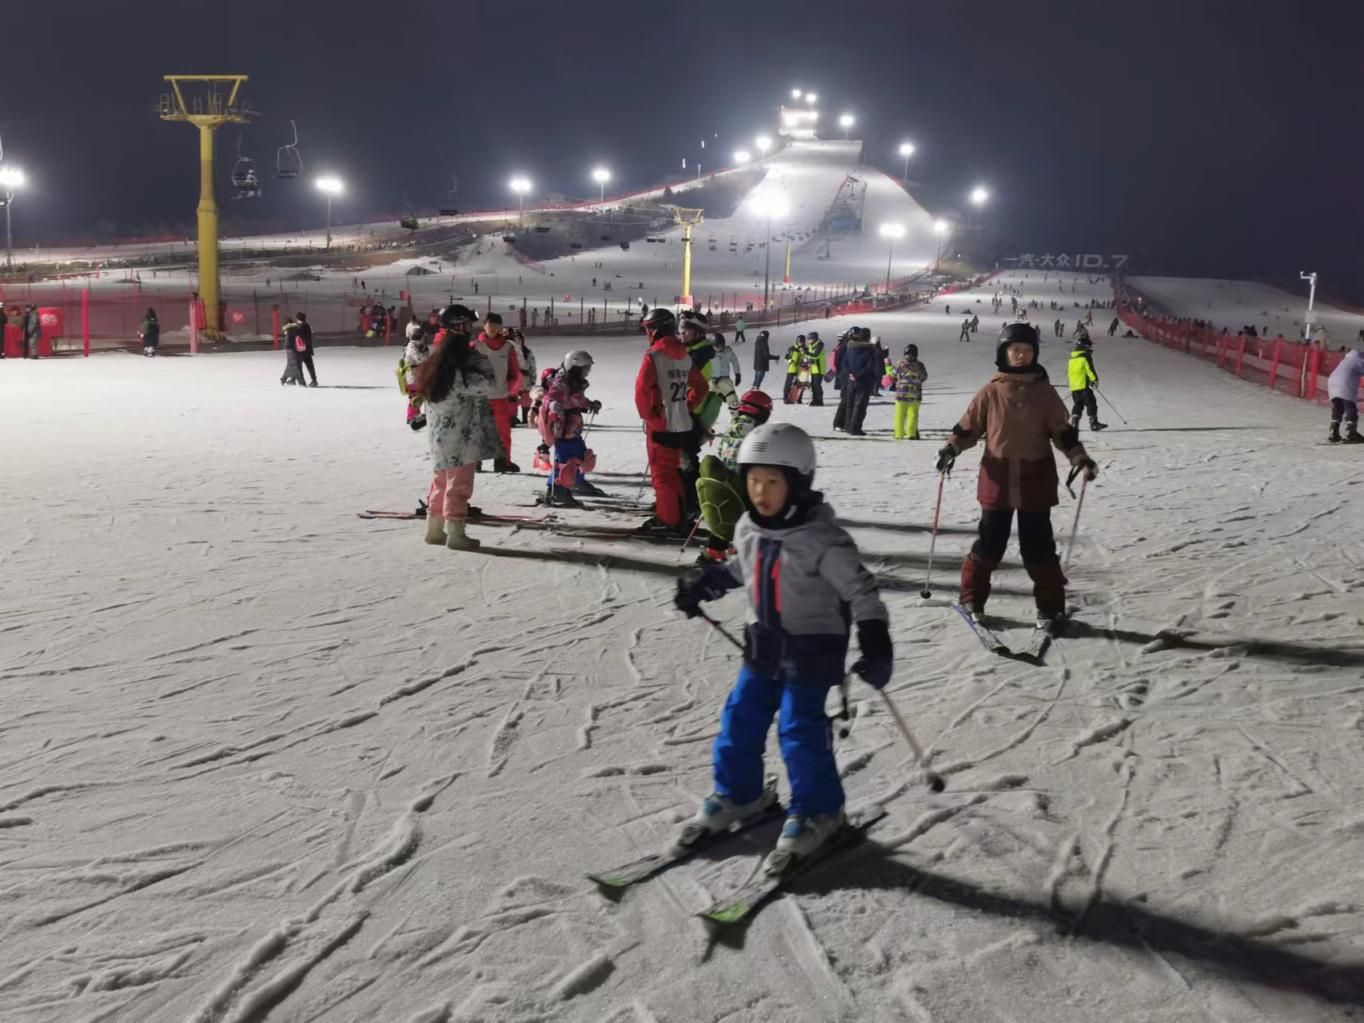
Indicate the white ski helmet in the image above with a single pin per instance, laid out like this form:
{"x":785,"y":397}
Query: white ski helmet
{"x":781,"y":444}
{"x":578,"y":358}
{"x":414,"y":330}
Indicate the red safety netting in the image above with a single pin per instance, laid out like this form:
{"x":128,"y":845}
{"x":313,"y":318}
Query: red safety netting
{"x":1299,"y":368}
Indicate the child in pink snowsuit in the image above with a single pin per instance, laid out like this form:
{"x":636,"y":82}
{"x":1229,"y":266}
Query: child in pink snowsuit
{"x":561,"y":427}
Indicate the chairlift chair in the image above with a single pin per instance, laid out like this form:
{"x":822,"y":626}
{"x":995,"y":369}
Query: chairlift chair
{"x":288,"y":161}
{"x":244,"y":178}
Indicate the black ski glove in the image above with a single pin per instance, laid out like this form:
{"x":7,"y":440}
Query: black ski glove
{"x":594,"y":406}
{"x":878,"y":657}
{"x":1087,"y":466}
{"x":947,"y":457}
{"x":694,"y":591}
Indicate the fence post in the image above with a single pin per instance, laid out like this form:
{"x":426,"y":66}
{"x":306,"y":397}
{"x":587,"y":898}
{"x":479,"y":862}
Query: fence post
{"x":85,"y":319}
{"x":1314,"y":360}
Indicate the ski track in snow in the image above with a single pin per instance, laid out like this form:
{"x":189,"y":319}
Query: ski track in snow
{"x":264,"y":760}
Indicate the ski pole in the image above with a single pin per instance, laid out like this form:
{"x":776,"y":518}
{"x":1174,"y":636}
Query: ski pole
{"x":933,"y":542}
{"x":1075,"y":525}
{"x":935,"y":781}
{"x":720,"y":629}
{"x":694,"y":527}
{"x":1111,"y":405}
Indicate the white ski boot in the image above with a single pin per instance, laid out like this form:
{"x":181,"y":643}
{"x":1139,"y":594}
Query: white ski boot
{"x":801,"y":836}
{"x":435,"y":530}
{"x":720,"y":813}
{"x":456,"y":539}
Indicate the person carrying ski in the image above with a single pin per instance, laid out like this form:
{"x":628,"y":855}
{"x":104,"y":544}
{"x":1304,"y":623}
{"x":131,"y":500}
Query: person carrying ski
{"x":817,"y":358}
{"x":501,"y":354}
{"x":416,"y":352}
{"x":762,"y":357}
{"x":526,"y":358}
{"x":805,"y":585}
{"x":1342,"y":387}
{"x":717,"y":490}
{"x":1083,"y":380}
{"x":668,"y":387}
{"x":794,"y":356}
{"x":459,"y":385}
{"x":1018,"y":414}
{"x":561,"y":426}
{"x":910,"y":376}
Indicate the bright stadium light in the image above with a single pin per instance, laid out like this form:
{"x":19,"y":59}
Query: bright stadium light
{"x":742,"y":156}
{"x":846,"y":121}
{"x":11,"y":180}
{"x":797,"y":93}
{"x":810,"y":97}
{"x":520,"y":185}
{"x":330,"y":186}
{"x":906,"y":150}
{"x":601,"y":176}
{"x":980,"y":195}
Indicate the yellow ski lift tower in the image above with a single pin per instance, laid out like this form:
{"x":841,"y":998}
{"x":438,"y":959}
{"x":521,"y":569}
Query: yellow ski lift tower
{"x":688,"y":219}
{"x":211,"y":104}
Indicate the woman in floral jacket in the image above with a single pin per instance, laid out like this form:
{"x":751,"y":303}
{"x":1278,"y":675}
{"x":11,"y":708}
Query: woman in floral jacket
{"x":456,"y":380}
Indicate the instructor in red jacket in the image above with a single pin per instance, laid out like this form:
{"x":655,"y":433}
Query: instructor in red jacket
{"x":667,"y":387}
{"x":498,"y":347}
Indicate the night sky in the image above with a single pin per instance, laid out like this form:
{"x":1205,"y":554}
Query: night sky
{"x":1209,"y":138}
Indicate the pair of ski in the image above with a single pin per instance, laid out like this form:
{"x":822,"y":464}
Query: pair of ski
{"x":767,"y":880}
{"x":1032,"y":652}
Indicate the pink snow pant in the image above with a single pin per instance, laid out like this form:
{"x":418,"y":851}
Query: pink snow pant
{"x":450,"y":492}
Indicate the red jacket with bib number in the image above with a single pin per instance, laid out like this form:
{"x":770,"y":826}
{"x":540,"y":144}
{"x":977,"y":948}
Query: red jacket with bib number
{"x":667,"y":388}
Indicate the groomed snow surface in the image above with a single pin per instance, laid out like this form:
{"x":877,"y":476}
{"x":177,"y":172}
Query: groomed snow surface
{"x":261,"y":759}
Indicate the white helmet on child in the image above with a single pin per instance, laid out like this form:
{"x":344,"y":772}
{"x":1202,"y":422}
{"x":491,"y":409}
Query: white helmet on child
{"x":781,"y":444}
{"x":578,"y":358}
{"x":414,"y":330}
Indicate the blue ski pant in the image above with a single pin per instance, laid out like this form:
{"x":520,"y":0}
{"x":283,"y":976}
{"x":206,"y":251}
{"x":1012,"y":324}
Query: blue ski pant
{"x":806,"y":742}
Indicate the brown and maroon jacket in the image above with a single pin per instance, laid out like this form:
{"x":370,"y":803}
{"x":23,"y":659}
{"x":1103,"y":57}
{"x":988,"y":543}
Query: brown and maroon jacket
{"x":1020,"y":416}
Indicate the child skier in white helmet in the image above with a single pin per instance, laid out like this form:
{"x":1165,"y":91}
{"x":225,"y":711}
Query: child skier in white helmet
{"x":805,"y":583}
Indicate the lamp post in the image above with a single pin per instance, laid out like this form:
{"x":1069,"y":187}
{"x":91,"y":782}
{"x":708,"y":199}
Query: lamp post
{"x":601,"y":176}
{"x":1301,"y":274}
{"x":330,"y":186}
{"x":940,"y":228}
{"x":11,"y":180}
{"x":770,"y":206}
{"x":846,"y":121}
{"x":520,"y":185}
{"x":906,"y":150}
{"x":892,"y":232}
{"x":762,"y":144}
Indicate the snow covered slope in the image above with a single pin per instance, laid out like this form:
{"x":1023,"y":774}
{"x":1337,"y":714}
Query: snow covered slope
{"x":260,"y":759}
{"x":1234,"y":304}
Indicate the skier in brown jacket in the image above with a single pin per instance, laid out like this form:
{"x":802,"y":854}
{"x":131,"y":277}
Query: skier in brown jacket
{"x":1019,"y":415}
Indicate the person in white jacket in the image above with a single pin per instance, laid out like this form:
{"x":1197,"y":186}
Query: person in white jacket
{"x":418,"y":348}
{"x":1342,"y":387}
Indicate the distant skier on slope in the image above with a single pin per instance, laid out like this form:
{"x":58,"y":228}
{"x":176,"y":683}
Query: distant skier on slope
{"x":1083,"y":379}
{"x":805,"y":583}
{"x":1019,"y":416}
{"x":1342,"y":387}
